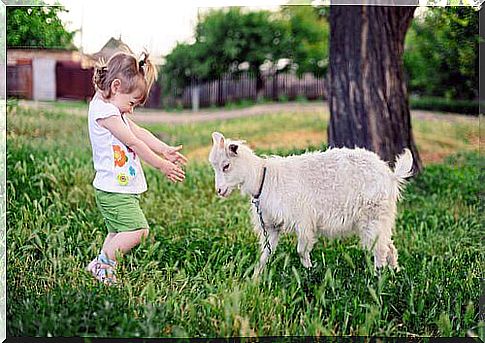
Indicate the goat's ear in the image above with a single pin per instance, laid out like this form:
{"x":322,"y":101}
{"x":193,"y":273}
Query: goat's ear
{"x":218,"y":139}
{"x":233,"y":149}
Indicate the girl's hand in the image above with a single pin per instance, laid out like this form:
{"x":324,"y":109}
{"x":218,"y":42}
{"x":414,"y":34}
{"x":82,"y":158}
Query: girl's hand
{"x":172,"y":154}
{"x":173,"y":172}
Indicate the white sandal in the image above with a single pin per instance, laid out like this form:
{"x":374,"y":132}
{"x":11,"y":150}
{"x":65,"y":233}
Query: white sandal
{"x":104,"y":272}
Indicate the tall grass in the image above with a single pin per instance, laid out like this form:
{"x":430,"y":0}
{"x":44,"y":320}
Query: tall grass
{"x":191,"y":278}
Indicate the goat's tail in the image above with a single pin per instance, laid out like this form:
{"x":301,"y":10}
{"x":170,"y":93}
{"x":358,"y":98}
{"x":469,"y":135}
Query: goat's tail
{"x":403,"y":168}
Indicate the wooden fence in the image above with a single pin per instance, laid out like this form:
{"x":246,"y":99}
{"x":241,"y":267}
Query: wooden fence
{"x":232,"y":88}
{"x":73,"y":82}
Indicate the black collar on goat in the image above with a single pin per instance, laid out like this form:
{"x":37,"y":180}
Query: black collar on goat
{"x":255,"y":201}
{"x":261,"y":185}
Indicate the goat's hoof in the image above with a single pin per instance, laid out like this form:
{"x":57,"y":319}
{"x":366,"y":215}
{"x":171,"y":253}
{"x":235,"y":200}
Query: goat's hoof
{"x":256,"y":274}
{"x":256,"y":278}
{"x":307,"y":264}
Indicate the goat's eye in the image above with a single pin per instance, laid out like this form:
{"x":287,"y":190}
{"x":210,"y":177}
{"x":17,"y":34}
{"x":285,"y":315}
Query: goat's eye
{"x":225,"y":167}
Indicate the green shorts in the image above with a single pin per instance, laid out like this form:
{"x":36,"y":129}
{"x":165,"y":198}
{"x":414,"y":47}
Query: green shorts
{"x":121,"y":212}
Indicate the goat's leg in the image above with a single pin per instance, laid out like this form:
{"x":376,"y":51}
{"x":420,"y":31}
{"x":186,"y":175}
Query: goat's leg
{"x":273,"y":237}
{"x":304,"y":247}
{"x":376,"y":236}
{"x":392,"y":257}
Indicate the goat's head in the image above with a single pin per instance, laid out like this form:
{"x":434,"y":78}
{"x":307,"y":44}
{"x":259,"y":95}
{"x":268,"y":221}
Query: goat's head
{"x":230,"y":162}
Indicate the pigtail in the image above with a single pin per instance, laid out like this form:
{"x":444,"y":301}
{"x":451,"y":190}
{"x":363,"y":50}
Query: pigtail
{"x":99,"y":77}
{"x":148,"y":70}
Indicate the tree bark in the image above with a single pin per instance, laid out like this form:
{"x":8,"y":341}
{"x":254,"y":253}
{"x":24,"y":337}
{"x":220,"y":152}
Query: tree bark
{"x":259,"y":84}
{"x":368,"y":98}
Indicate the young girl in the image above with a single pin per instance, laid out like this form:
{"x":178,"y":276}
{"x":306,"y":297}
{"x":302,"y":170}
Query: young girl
{"x":118,"y":145}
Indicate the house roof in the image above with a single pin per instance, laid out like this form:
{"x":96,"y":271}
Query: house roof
{"x":111,"y":47}
{"x":114,"y":44}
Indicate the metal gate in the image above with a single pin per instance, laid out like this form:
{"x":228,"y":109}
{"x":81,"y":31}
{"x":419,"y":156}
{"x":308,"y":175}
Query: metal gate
{"x":19,"y":80}
{"x":73,"y":82}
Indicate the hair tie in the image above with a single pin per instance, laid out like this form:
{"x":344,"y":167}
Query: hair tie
{"x":141,"y":63}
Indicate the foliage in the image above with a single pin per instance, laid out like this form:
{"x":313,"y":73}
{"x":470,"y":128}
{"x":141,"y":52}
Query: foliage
{"x":224,"y":39}
{"x":235,"y":36}
{"x":232,"y":40}
{"x":309,"y":39}
{"x":3,"y":31}
{"x":441,"y":53}
{"x":190,"y":279}
{"x":440,"y":57}
{"x":179,"y":68}
{"x":37,"y":26}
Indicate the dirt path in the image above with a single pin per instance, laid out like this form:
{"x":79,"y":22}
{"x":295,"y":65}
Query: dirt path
{"x":431,"y":152}
{"x":151,"y":116}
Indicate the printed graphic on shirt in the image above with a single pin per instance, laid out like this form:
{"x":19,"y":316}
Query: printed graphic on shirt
{"x":132,"y":152}
{"x":127,"y":173}
{"x":123,"y":179}
{"x":119,"y":155}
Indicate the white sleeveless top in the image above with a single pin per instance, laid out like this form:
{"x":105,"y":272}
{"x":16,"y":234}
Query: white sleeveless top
{"x":118,"y":168}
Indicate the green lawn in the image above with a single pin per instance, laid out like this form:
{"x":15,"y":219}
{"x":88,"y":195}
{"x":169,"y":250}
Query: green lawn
{"x":192,"y":276}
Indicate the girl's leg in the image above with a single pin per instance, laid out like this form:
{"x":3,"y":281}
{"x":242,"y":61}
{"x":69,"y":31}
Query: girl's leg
{"x":123,"y":242}
{"x":108,"y":239}
{"x":103,"y":266}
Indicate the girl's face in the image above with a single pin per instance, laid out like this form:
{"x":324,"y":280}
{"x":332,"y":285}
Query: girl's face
{"x":125,"y":102}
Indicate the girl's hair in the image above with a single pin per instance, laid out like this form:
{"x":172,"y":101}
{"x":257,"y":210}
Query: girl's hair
{"x":134,"y":74}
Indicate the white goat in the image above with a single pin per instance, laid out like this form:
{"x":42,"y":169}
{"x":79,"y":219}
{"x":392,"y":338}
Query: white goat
{"x":333,"y":193}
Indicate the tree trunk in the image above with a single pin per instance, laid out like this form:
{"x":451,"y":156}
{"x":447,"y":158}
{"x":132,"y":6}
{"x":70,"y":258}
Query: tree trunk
{"x":220,"y":84}
{"x":275,"y":85}
{"x":259,"y":84}
{"x":367,"y":92}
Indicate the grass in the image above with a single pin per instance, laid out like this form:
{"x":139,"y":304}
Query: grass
{"x":191,"y":278}
{"x":435,"y":139}
{"x":430,"y":103}
{"x":427,"y":103}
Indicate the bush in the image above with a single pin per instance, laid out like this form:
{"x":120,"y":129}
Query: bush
{"x":441,"y":53}
{"x":444,"y":105}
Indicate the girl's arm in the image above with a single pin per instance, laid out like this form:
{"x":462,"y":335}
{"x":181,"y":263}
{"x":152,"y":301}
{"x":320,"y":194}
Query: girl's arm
{"x":148,"y":138}
{"x":116,"y":126}
{"x":170,"y":153}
